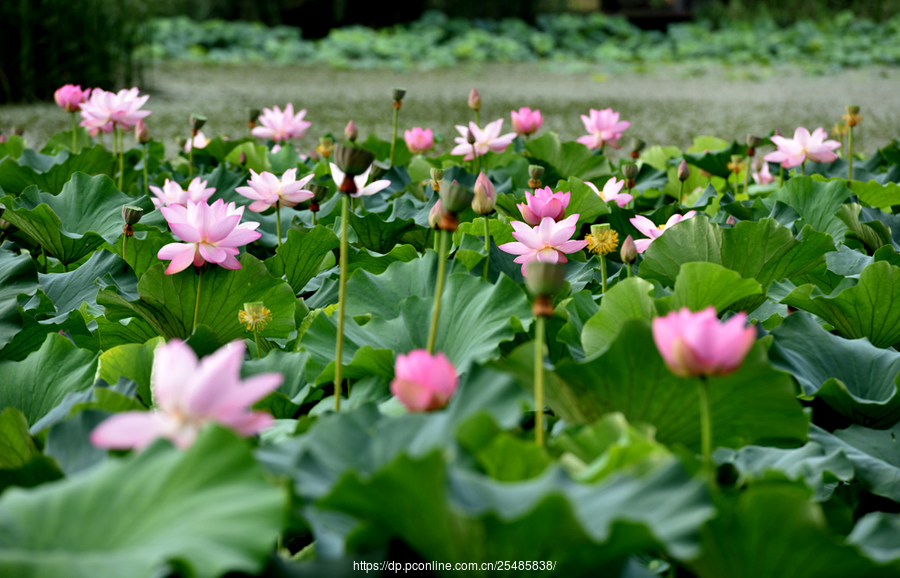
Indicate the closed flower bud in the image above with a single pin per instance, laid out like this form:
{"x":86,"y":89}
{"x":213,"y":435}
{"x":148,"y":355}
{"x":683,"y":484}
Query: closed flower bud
{"x":3,"y":138}
{"x":731,"y":220}
{"x":485,"y":195}
{"x":379,"y":169}
{"x":544,"y":278}
{"x":629,"y":170}
{"x":683,"y":171}
{"x":437,"y":174}
{"x":242,"y":159}
{"x":470,"y":136}
{"x":398,"y":93}
{"x":352,"y":160}
{"x":455,"y":197}
{"x":325,"y":146}
{"x":351,"y":132}
{"x":141,"y":132}
{"x":628,"y":253}
{"x":197,"y":122}
{"x":436,"y":214}
{"x":474,"y":100}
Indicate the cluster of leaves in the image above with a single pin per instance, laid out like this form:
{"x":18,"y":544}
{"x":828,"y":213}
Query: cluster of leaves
{"x":436,"y":41}
{"x":806,"y":429}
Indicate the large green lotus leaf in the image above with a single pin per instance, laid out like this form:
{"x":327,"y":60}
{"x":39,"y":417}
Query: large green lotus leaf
{"x":13,"y":147}
{"x":626,"y":300}
{"x":21,"y":464}
{"x":257,"y":156}
{"x":877,"y":535}
{"x":755,"y":403}
{"x":716,"y":161}
{"x":133,"y":361}
{"x":167,"y":302}
{"x":376,"y":234}
{"x":35,"y":329}
{"x":869,"y":309}
{"x":39,"y":382}
{"x":821,"y":470}
{"x":583,"y":200}
{"x":141,"y":250}
{"x":50,"y":174}
{"x":130,"y":517}
{"x":873,"y":454}
{"x":762,"y":250}
{"x":293,"y":392}
{"x":375,"y":263}
{"x":476,"y":316}
{"x":774,"y":531}
{"x":875,"y":194}
{"x":816,"y":202}
{"x":854,"y":377}
{"x":585,"y":529}
{"x":700,"y":285}
{"x":84,"y":216}
{"x":19,"y":276}
{"x":578,"y":310}
{"x":565,"y":160}
{"x":299,"y":258}
{"x":69,"y":291}
{"x":129,"y":330}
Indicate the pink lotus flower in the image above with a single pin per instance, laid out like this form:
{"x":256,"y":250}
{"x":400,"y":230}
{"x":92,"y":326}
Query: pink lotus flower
{"x":794,"y":152}
{"x":603,"y":127}
{"x":485,"y":195}
{"x":265,"y":190}
{"x":199,"y":141}
{"x":362,"y":189}
{"x":526,"y":121}
{"x":70,"y":97}
{"x":190,"y":395}
{"x":611,"y":190}
{"x":761,"y":175}
{"x":211,"y":233}
{"x":696,"y":344}
{"x":486,"y":140}
{"x":646,"y":226}
{"x":107,"y":109}
{"x":548,"y":242}
{"x":279,"y":126}
{"x":172,"y":194}
{"x":419,"y":140}
{"x":423,"y":382}
{"x":544,"y":203}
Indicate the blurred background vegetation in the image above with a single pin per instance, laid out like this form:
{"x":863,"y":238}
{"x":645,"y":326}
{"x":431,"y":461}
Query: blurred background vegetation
{"x":106,"y":43}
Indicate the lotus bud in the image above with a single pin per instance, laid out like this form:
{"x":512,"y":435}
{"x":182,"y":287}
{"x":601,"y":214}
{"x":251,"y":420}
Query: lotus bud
{"x":325,"y":146}
{"x":683,"y":171}
{"x":141,"y":132}
{"x":544,"y":280}
{"x":319,"y":191}
{"x":474,"y":100}
{"x":455,"y":197}
{"x":629,"y":170}
{"x":3,"y":138}
{"x":242,"y":159}
{"x":379,"y":169}
{"x":131,"y":215}
{"x":535,"y":172}
{"x":485,"y":195}
{"x":628,"y":252}
{"x":731,"y":220}
{"x":197,"y":123}
{"x":5,"y":225}
{"x":351,"y":132}
{"x":436,"y":214}
{"x":470,"y":136}
{"x":398,"y":94}
{"x":777,"y":132}
{"x":253,"y":116}
{"x":637,"y":145}
{"x":352,"y":160}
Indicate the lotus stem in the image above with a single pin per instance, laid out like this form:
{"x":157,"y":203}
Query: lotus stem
{"x":278,"y":220}
{"x":803,"y":168}
{"x":65,"y":267}
{"x":539,"y":380}
{"x":115,"y":142}
{"x":74,"y":133}
{"x":477,"y":119}
{"x":850,"y":156}
{"x":603,"y":272}
{"x":44,"y":255}
{"x":125,"y":250}
{"x":627,"y":268}
{"x":121,"y":155}
{"x":747,"y":177}
{"x":339,"y":348}
{"x":394,"y":133}
{"x":315,"y":222}
{"x":706,"y":430}
{"x":487,"y":246}
{"x":681,"y":192}
{"x":191,"y":158}
{"x":439,"y":290}
{"x":197,"y":299}
{"x":258,"y":350}
{"x":146,"y":177}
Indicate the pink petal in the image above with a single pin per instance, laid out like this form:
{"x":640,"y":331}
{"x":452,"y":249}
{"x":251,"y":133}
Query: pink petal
{"x":130,"y":430}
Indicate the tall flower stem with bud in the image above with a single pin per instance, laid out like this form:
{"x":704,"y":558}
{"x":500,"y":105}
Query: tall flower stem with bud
{"x":852,"y":119}
{"x":342,"y":291}
{"x":539,"y":338}
{"x":439,"y":288}
{"x":475,"y":104}
{"x":131,"y":215}
{"x":487,"y":247}
{"x":543,"y":281}
{"x":483,"y":204}
{"x":398,"y":94}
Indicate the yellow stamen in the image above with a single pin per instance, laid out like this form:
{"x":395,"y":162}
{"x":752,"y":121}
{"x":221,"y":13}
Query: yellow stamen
{"x":604,"y":243}
{"x":255,"y":316}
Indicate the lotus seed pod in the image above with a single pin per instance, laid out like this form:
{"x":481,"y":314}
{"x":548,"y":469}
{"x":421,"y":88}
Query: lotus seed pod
{"x":352,"y":160}
{"x":197,"y":122}
{"x":544,"y":278}
{"x":535,"y":171}
{"x":253,"y":116}
{"x":398,"y":93}
{"x":629,"y":170}
{"x":319,"y":192}
{"x":131,"y":214}
{"x":379,"y":169}
{"x":455,"y":197}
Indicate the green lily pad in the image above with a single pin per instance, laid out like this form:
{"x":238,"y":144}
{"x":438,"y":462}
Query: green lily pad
{"x":51,"y":173}
{"x":873,"y":454}
{"x":565,"y":160}
{"x":625,"y":301}
{"x":716,"y":161}
{"x":299,"y":258}
{"x":19,"y":276}
{"x":816,"y":202}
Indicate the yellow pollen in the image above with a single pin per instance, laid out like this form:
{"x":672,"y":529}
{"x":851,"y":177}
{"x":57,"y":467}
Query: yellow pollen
{"x":603,"y":244}
{"x":255,"y":316}
{"x":661,"y":227}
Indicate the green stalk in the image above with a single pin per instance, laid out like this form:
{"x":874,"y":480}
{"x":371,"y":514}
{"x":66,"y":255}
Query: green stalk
{"x":191,"y":158}
{"x":850,"y":157}
{"x":146,"y":178}
{"x":477,"y":119}
{"x":125,"y":249}
{"x":314,"y":219}
{"x":115,"y":141}
{"x":803,"y":168}
{"x":603,"y":272}
{"x":394,"y":140}
{"x":44,"y":255}
{"x":258,"y":350}
{"x":277,"y":219}
{"x":539,"y":380}
{"x":627,"y":268}
{"x":681,"y":192}
{"x":747,"y":175}
{"x":439,"y":290}
{"x":487,"y":246}
{"x":197,"y":299}
{"x":706,"y":430}
{"x":74,"y":133}
{"x":121,"y":155}
{"x":345,"y":224}
{"x":65,"y":267}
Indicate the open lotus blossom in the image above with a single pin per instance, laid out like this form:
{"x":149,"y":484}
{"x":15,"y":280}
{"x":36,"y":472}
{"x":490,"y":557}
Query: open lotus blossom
{"x":526,"y":121}
{"x":486,"y":140}
{"x":419,"y":140}
{"x":794,"y":152}
{"x":697,"y":344}
{"x":266,"y":189}
{"x":548,"y":242}
{"x":423,"y":382}
{"x":761,"y":174}
{"x":646,"y":226}
{"x":199,"y":141}
{"x":611,"y":190}
{"x":171,"y":193}
{"x":190,"y":394}
{"x":543,"y":203}
{"x":211,"y":233}
{"x":603,"y":127}
{"x":279,"y":126}
{"x":362,"y":189}
{"x":120,"y":109}
{"x":70,"y":97}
